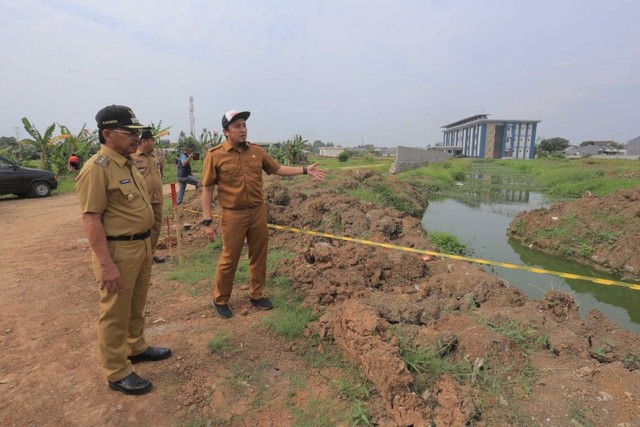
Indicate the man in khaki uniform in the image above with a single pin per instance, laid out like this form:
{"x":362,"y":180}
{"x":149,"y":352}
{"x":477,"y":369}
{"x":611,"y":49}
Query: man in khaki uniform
{"x":148,"y":165}
{"x":236,"y":168}
{"x":117,"y":216}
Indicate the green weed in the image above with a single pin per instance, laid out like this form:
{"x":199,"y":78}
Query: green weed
{"x":319,"y":413}
{"x":583,"y":416}
{"x":66,"y":184}
{"x":288,"y":318}
{"x":222,"y":342}
{"x":525,"y":337}
{"x":447,"y":243}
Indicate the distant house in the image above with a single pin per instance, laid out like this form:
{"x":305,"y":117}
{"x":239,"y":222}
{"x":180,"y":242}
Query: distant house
{"x":603,"y":144}
{"x":330,"y":151}
{"x":633,"y":147}
{"x":266,"y":146}
{"x":587,"y":150}
{"x":386,"y":151}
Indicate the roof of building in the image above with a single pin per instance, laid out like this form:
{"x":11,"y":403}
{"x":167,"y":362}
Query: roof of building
{"x":485,"y":119}
{"x":467,"y":120}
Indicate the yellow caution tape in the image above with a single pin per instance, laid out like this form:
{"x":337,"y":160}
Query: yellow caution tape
{"x":462,"y":258}
{"x":597,"y":280}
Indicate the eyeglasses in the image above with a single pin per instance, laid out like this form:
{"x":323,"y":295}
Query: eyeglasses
{"x":132,"y":133}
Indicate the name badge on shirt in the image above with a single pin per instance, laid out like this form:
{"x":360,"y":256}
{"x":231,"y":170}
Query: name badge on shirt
{"x":125,"y":181}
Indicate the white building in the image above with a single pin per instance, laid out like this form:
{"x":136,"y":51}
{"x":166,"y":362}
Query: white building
{"x":330,"y":151}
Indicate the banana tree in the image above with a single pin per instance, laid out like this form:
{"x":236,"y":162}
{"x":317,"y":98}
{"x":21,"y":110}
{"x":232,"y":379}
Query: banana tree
{"x":208,"y":140}
{"x":84,"y":144}
{"x":294,"y":150}
{"x":41,"y":141}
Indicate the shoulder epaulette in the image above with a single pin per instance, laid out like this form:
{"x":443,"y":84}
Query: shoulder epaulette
{"x":215,"y":148}
{"x":102,"y":160}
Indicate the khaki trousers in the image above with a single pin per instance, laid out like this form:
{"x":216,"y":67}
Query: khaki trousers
{"x":121,"y":320}
{"x":238,"y":225}
{"x":157,"y":224}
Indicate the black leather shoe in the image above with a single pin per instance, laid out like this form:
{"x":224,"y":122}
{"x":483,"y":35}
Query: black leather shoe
{"x":158,"y":259}
{"x":152,"y":354}
{"x":222,"y":310}
{"x":131,"y":384}
{"x":262,"y":303}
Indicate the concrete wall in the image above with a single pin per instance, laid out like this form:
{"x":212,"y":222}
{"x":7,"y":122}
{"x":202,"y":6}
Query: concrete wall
{"x":408,"y":158}
{"x":633,"y":147}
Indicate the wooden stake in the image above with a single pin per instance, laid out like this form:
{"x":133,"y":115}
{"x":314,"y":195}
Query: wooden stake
{"x":176,"y":214}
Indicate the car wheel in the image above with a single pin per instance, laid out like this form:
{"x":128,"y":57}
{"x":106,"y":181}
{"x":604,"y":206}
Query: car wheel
{"x":40,"y":189}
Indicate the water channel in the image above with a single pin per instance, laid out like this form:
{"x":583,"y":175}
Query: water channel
{"x":479,"y":213}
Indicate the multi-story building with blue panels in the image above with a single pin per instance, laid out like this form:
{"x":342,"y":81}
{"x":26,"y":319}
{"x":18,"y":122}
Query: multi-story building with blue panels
{"x":481,"y":137}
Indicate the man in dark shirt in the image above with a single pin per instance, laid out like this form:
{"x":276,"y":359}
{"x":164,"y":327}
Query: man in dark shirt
{"x":185,"y":175}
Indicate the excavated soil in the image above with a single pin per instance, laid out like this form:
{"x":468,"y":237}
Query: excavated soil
{"x":479,"y":352}
{"x":603,"y":232}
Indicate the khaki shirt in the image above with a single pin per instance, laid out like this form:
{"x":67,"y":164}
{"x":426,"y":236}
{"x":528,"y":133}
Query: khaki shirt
{"x":238,"y":174}
{"x":108,"y":184}
{"x":149,"y":167}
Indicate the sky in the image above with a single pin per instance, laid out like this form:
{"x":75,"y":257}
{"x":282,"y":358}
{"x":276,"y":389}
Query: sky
{"x":349,"y":72}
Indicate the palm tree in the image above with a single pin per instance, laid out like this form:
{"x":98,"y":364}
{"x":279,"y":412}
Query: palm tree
{"x":40,"y":141}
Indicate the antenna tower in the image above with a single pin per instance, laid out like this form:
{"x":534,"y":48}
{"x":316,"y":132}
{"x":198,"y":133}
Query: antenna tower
{"x":192,"y":117}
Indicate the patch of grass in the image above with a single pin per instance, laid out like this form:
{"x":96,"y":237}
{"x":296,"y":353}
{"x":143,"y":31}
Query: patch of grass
{"x":288,"y":318}
{"x":631,"y":362}
{"x":242,"y":381}
{"x":319,"y":413}
{"x":297,"y":382}
{"x":198,"y":269}
{"x":430,"y":363}
{"x":583,"y":416}
{"x":356,"y":393}
{"x":525,"y":337}
{"x":365,"y":195}
{"x":221,"y":342}
{"x":66,"y":184}
{"x":447,"y":243}
{"x":358,"y":414}
{"x":400,"y":201}
{"x":381,"y":164}
{"x":383,"y":195}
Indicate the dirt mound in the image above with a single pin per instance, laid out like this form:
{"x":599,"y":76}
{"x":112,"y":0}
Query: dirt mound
{"x":600,"y":231}
{"x":443,"y":342}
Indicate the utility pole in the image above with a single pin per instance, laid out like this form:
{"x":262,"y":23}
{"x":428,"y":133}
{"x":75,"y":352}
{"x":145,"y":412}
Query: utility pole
{"x":192,"y":117}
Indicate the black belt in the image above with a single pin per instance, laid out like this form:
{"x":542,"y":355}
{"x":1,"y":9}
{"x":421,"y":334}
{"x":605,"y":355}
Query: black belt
{"x":248,"y":208}
{"x":134,"y":237}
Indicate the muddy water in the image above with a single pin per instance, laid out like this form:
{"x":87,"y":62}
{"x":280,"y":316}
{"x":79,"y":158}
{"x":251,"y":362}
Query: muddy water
{"x":479,"y":218}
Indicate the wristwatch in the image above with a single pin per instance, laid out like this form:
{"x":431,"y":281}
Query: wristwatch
{"x":207,"y":222}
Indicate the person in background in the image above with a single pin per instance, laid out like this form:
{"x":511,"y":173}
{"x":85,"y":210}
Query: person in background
{"x":117,"y":217}
{"x":185,"y":175}
{"x":236,"y":167}
{"x":148,"y":164}
{"x":73,"y":163}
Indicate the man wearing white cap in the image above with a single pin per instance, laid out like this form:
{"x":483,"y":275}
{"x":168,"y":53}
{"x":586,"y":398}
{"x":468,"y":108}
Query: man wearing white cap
{"x":236,"y":167}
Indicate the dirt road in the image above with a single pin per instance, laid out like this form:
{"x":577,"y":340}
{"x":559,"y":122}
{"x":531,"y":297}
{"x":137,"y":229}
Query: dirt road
{"x":49,"y":368}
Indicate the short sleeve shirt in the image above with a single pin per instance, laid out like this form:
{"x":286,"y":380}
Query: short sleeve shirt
{"x":149,"y":167}
{"x":109,"y":185}
{"x":238,"y":174}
